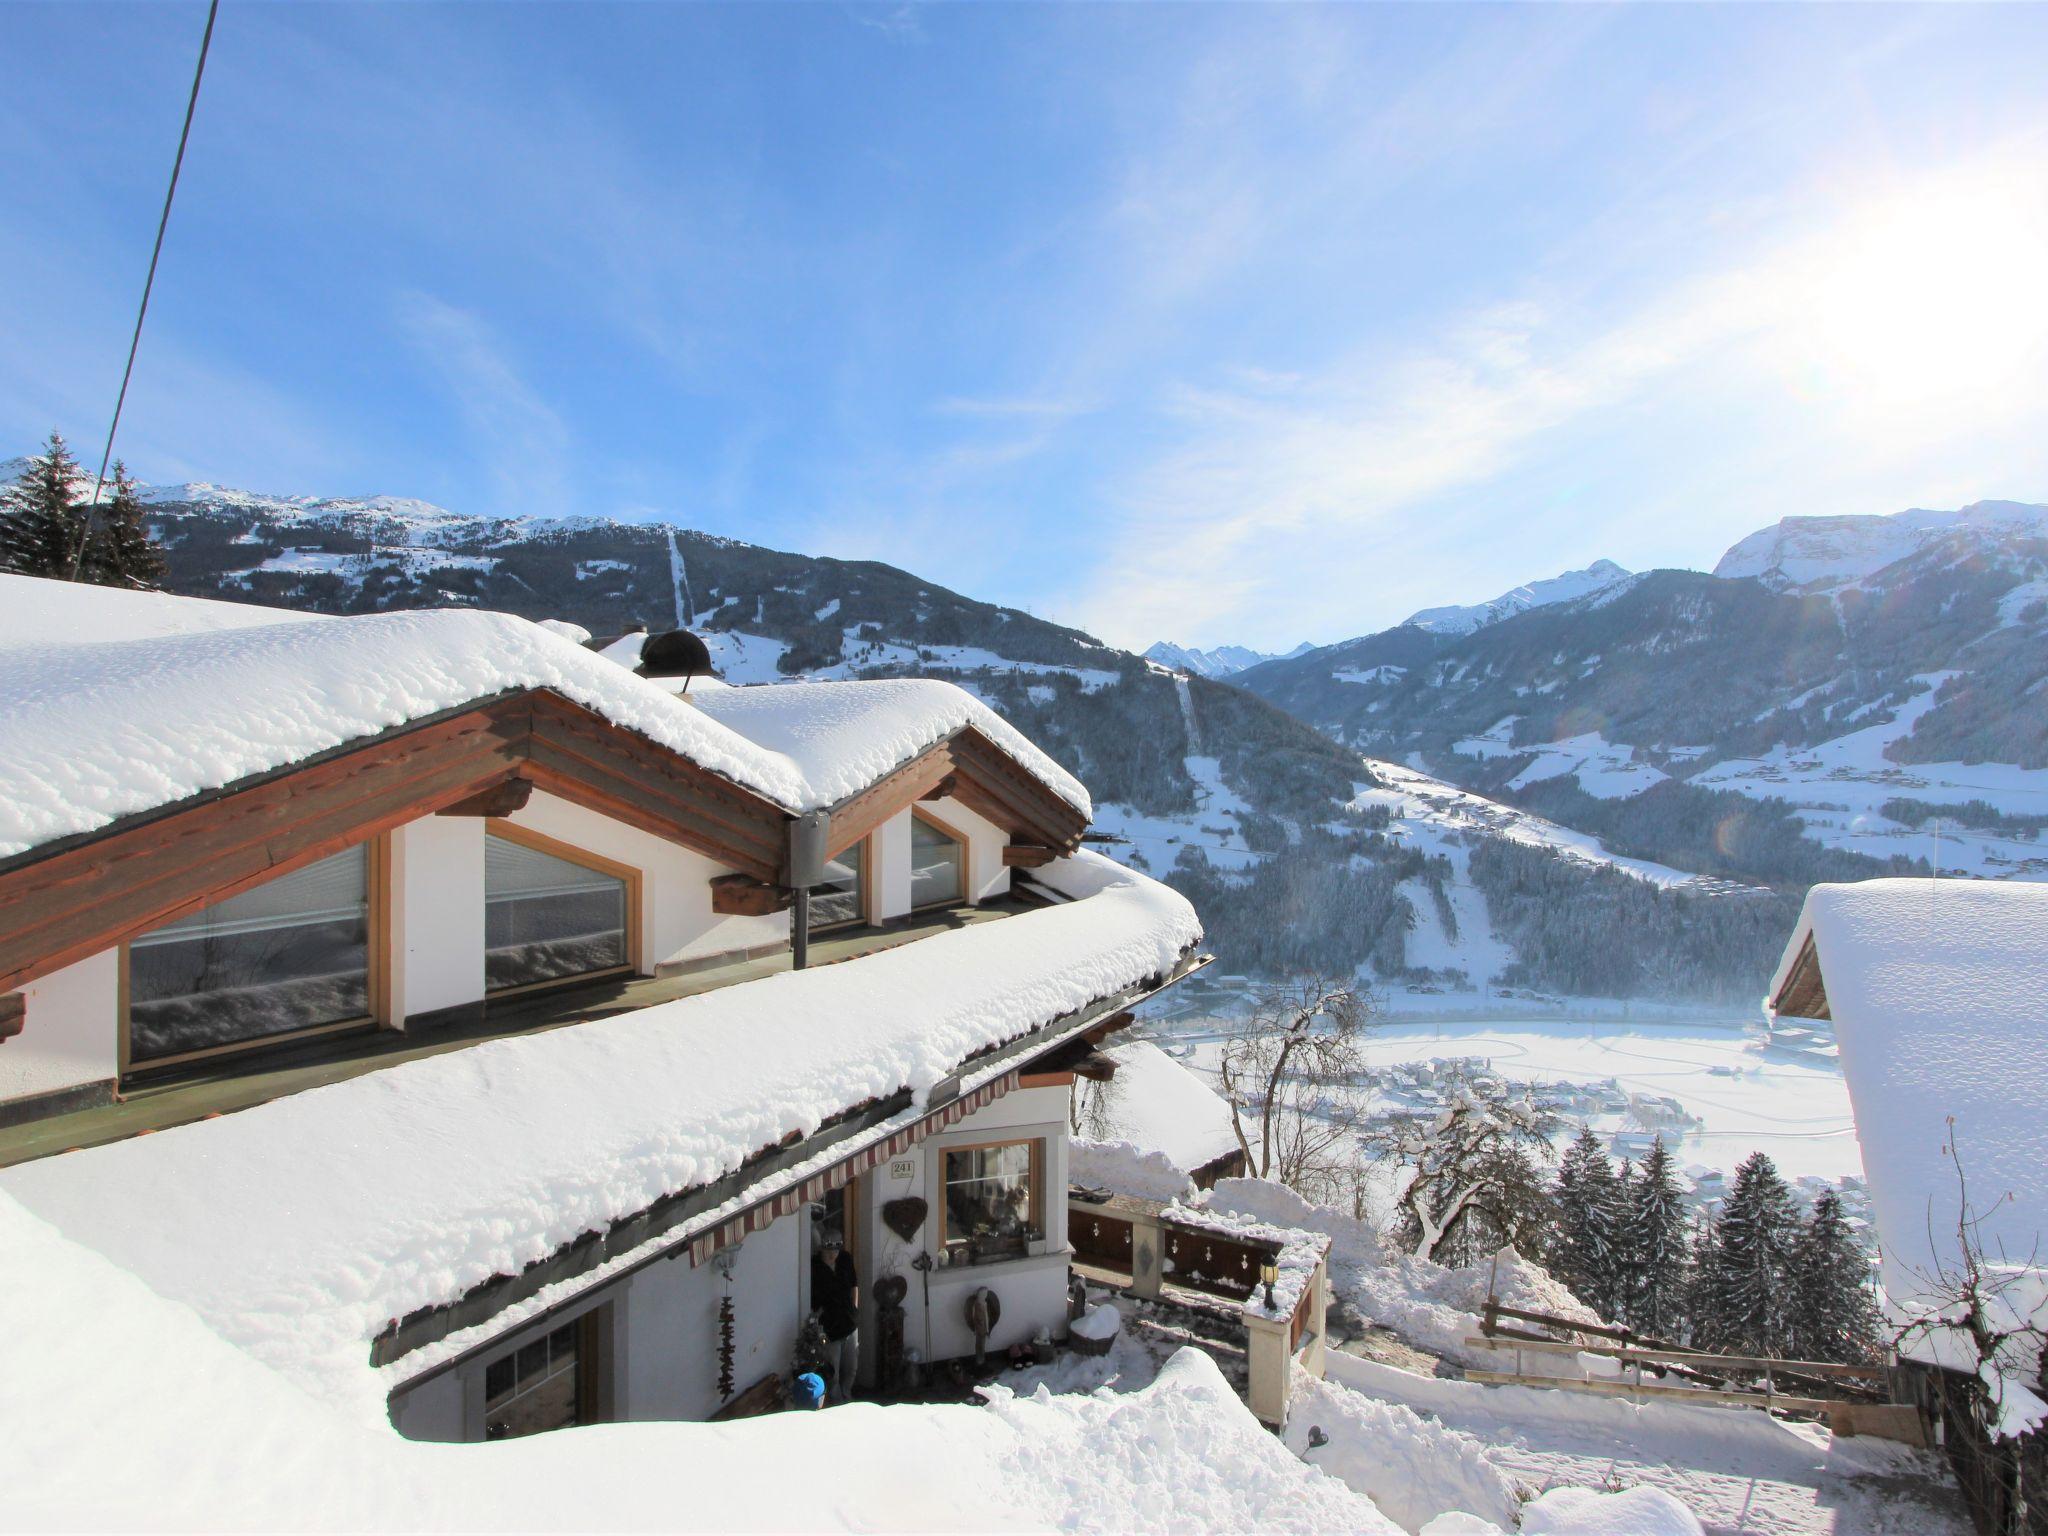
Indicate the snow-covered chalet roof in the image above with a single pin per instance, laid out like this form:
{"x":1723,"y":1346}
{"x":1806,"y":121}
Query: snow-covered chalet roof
{"x":300,"y":1228}
{"x":115,"y":703}
{"x":1936,"y":990}
{"x":844,"y":736}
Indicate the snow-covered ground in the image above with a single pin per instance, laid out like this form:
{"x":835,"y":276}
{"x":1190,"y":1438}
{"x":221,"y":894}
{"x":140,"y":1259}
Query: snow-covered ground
{"x":1736,"y":1469}
{"x":1748,"y":1096}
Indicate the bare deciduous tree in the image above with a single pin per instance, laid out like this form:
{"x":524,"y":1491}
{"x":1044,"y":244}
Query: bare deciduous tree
{"x":1288,"y":1071}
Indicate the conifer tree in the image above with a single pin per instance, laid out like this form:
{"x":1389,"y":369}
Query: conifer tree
{"x":1655,"y":1242}
{"x":1702,"y":1303}
{"x":1588,"y":1209}
{"x":1833,"y":1316}
{"x":122,"y":552}
{"x":1748,"y":1287}
{"x":40,"y":519}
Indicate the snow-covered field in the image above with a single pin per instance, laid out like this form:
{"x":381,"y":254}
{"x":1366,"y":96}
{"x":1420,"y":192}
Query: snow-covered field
{"x":1748,"y":1096}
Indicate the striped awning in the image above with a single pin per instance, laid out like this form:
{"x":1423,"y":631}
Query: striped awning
{"x":788,"y":1201}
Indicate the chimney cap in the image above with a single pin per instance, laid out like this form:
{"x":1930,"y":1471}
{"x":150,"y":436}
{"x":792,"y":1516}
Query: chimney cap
{"x":674,"y":653}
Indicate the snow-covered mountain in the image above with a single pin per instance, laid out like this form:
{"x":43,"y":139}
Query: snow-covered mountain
{"x":1303,"y":854}
{"x":1454,"y":620}
{"x":1223,"y":661}
{"x":1820,"y":554}
{"x":1871,"y":690}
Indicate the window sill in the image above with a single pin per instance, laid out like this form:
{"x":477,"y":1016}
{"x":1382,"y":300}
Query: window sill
{"x":1052,"y":1258}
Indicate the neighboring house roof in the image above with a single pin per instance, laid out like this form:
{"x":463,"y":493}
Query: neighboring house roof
{"x":1936,"y":991}
{"x":302,"y":1228}
{"x":1160,"y":1106}
{"x":1154,"y":1127}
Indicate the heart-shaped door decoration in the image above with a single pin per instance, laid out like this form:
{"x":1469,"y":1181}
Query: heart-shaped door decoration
{"x":904,"y":1216}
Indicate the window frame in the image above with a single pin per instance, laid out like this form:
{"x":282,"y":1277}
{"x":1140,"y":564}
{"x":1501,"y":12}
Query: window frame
{"x":540,"y":842}
{"x":947,"y":829}
{"x":1035,"y":1172}
{"x":865,"y":898}
{"x":593,"y":1367}
{"x":377,"y":946}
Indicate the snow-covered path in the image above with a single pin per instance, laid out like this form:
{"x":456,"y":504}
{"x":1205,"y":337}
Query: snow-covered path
{"x":1738,"y":1470}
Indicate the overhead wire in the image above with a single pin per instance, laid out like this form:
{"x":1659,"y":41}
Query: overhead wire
{"x":148,"y":283}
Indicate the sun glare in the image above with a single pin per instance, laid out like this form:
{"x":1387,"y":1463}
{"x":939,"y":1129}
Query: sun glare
{"x":1936,"y":298}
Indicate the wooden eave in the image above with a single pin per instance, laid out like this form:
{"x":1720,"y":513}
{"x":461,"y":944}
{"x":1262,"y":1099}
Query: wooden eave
{"x":75,"y":897}
{"x":979,"y":774}
{"x":1805,"y":993}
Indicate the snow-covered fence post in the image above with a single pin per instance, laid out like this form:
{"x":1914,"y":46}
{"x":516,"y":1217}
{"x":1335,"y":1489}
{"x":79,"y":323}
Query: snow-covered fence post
{"x":1269,"y":1376}
{"x":1148,"y":1254}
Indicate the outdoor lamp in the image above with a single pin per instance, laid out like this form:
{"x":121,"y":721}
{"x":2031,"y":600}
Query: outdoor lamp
{"x":1269,"y":1271}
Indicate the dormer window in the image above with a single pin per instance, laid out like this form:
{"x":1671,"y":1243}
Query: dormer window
{"x":552,"y":911}
{"x":938,"y":862}
{"x":843,"y":897}
{"x":289,"y":957}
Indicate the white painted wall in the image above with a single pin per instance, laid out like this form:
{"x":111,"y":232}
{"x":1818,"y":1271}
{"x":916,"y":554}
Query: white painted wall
{"x":70,"y":1033}
{"x":889,"y":844}
{"x":437,"y":914}
{"x":1033,"y":1291}
{"x":676,"y":920}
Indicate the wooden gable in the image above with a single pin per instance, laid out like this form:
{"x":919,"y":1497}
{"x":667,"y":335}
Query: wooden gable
{"x":75,"y":897}
{"x":1805,"y":993}
{"x":970,"y":768}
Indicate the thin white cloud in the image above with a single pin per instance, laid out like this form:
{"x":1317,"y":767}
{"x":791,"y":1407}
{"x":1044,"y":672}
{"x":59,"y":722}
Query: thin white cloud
{"x":521,"y":443}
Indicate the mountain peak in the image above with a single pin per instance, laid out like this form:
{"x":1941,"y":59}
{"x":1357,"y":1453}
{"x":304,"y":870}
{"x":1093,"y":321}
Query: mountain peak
{"x":1222,"y":661}
{"x":1818,"y":553}
{"x":1462,"y":620}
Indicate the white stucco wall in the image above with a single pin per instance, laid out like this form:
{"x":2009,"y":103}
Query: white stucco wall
{"x":1033,"y":1291}
{"x":889,"y":846}
{"x":437,"y":914}
{"x":70,"y":1032}
{"x":676,"y":920}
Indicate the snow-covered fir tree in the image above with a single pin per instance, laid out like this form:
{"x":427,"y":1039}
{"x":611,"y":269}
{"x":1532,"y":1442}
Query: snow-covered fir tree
{"x":1746,"y":1287}
{"x":121,"y":552}
{"x":1587,"y":1196}
{"x":1654,"y":1247}
{"x":1833,"y":1314}
{"x":39,"y":519}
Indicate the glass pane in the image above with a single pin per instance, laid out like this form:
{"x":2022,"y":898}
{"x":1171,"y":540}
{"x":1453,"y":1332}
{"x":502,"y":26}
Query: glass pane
{"x":838,"y":899}
{"x":290,"y":954}
{"x":544,"y":1395}
{"x":935,"y":865}
{"x":547,"y":917}
{"x":988,"y":1201}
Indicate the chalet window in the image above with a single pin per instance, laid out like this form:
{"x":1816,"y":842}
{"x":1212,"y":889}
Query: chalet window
{"x":842,"y":898}
{"x":546,"y":1383}
{"x":938,"y":863}
{"x":994,"y":1205}
{"x":551,"y":912}
{"x":288,"y":956}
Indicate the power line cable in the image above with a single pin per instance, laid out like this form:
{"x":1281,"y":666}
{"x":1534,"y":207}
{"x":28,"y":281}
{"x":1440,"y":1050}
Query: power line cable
{"x":149,"y":282}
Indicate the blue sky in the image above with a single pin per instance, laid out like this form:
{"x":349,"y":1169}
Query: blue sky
{"x":1251,"y":323}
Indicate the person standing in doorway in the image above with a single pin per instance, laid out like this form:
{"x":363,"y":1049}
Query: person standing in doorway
{"x":835,"y":1296}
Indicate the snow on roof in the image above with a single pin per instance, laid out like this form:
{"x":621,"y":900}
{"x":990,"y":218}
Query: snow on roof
{"x":844,"y":736}
{"x":1157,"y":1105}
{"x":122,"y":1410}
{"x":299,"y":1228}
{"x":1935,"y":987}
{"x":142,"y":700}
{"x":35,"y":611}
